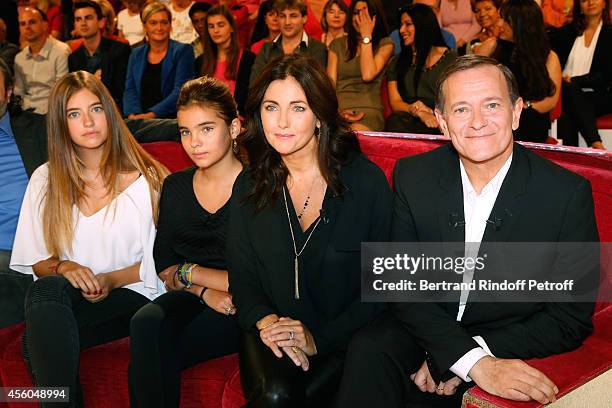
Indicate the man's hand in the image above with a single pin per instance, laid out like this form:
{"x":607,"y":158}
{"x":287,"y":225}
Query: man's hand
{"x":425,"y":382}
{"x":513,"y":379}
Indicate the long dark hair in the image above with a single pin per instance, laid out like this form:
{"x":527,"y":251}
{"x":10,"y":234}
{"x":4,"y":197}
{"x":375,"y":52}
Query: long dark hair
{"x":531,"y":46}
{"x":580,"y":22}
{"x":211,"y":52}
{"x":381,"y":29}
{"x":261,"y":29}
{"x":342,"y":5}
{"x":335,"y":140}
{"x":427,"y":34}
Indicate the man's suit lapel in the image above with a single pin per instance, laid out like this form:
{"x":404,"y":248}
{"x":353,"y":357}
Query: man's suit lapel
{"x":106,"y":62}
{"x":28,"y":143}
{"x":506,"y":211}
{"x":451,"y":220}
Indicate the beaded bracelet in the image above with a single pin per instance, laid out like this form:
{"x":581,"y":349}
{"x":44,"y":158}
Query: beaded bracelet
{"x":185,"y":273}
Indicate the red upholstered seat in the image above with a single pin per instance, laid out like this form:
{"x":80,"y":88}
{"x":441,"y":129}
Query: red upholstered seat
{"x":216,"y":383}
{"x":604,"y":122}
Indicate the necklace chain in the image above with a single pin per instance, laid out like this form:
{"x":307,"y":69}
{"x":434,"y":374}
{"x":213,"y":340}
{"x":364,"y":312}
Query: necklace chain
{"x":297,"y":254}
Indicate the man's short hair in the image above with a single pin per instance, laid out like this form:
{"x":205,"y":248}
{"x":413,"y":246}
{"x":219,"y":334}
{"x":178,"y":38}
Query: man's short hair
{"x":199,"y":7}
{"x":472,"y":61}
{"x":43,"y":15}
{"x":7,"y":73}
{"x":81,"y":4}
{"x":281,"y":5}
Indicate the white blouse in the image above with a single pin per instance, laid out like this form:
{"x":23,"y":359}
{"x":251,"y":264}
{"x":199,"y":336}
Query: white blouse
{"x":117,"y":236}
{"x":581,"y":57}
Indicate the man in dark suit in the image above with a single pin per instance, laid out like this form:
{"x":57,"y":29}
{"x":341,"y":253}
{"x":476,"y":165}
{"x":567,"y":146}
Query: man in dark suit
{"x":482,"y":188}
{"x":106,"y":58}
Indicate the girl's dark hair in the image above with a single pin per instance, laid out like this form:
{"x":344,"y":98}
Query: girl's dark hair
{"x":381,"y":29}
{"x":427,"y":34}
{"x":210,"y":93}
{"x":261,"y":29}
{"x":343,"y":7}
{"x":211,"y":52}
{"x":531,"y":46}
{"x":579,"y":21}
{"x":335,"y":140}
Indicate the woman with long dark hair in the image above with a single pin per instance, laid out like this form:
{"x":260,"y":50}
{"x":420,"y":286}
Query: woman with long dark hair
{"x":523,"y":47}
{"x":356,"y":63}
{"x":414,"y":72}
{"x":334,"y":21}
{"x":267,"y":26}
{"x":86,"y":231}
{"x":223,"y":58}
{"x":302,"y":210}
{"x":194,"y":321}
{"x":584,"y":50}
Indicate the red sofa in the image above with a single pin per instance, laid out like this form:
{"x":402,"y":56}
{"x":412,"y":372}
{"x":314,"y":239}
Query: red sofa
{"x":216,"y":383}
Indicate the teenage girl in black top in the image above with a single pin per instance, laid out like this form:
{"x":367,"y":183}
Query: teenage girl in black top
{"x":194,"y":321}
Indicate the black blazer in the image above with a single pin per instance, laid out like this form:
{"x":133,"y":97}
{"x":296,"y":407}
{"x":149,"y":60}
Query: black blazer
{"x":538,"y":202}
{"x":242,"y":80}
{"x":600,"y":76}
{"x":115,"y":56}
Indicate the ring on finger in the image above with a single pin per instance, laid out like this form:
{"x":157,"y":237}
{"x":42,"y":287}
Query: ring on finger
{"x":227,"y":310}
{"x":295,"y":349}
{"x":291,"y":335}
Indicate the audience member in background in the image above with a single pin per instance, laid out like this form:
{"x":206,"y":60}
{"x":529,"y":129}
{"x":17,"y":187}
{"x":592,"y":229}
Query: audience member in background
{"x":242,"y":17}
{"x":487,"y":15}
{"x":182,"y":29}
{"x":528,"y":54}
{"x":585,"y":50}
{"x":334,"y":21}
{"x":157,"y":70}
{"x":110,"y":17}
{"x":194,"y":321}
{"x":197,"y":14}
{"x":223,"y":58}
{"x":356,"y":63}
{"x":8,"y":50}
{"x":98,"y":183}
{"x":457,"y":17}
{"x":105,"y":58}
{"x":267,"y":26}
{"x":557,"y":12}
{"x":293,"y":38}
{"x":40,"y":64}
{"x":23,"y":147}
{"x":449,"y":39}
{"x":413,"y":75}
{"x":52,"y":10}
{"x":307,"y":185}
{"x":129,"y":23}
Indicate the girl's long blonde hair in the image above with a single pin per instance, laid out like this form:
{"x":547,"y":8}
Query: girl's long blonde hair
{"x":66,"y":183}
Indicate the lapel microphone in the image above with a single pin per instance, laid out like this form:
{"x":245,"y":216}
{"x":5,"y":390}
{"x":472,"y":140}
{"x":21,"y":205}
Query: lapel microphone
{"x":455,"y":222}
{"x":496,"y":223}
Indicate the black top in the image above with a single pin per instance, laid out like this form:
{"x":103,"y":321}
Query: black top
{"x":186,"y":231}
{"x":261,"y":257}
{"x":151,"y":93}
{"x":533,"y":125}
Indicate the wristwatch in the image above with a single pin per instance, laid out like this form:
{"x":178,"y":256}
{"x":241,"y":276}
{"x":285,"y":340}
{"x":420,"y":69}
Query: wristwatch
{"x":366,"y":40}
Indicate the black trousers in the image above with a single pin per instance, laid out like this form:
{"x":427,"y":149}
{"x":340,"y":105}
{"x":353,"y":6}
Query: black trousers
{"x":13,"y":288}
{"x":271,"y":382}
{"x":60,"y":323}
{"x":579,"y":113}
{"x":174,"y":332}
{"x":377,"y":369}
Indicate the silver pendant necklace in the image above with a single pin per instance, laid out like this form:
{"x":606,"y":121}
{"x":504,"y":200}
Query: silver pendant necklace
{"x":297,"y":254}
